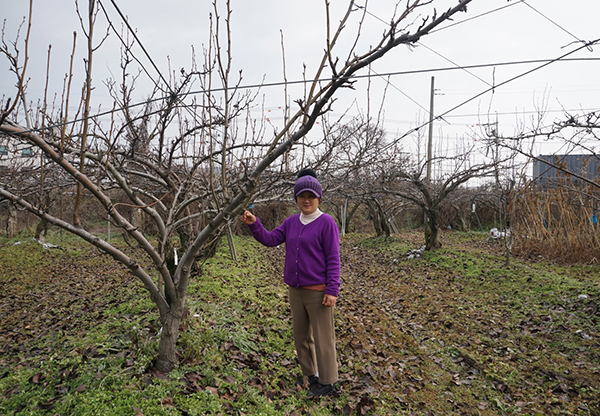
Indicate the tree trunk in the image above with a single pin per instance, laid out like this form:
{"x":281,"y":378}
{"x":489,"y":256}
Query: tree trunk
{"x":375,"y":219}
{"x":350,"y":216}
{"x":167,"y":348}
{"x":385,"y":225}
{"x":432,"y":232}
{"x":464,"y":223}
{"x":344,"y":218}
{"x":40,"y":231}
{"x":378,"y":216}
{"x":462,"y":217}
{"x":232,"y":249}
{"x":137,"y":218}
{"x":11,"y":220}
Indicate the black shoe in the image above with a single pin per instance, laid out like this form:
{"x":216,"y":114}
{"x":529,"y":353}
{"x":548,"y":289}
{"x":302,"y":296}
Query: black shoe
{"x":312,"y":381}
{"x":321,"y":390}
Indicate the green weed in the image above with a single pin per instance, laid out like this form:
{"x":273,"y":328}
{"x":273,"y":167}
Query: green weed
{"x":454,"y":332}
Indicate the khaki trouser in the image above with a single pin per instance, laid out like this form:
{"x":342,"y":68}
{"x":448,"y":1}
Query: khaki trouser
{"x":314,"y":334}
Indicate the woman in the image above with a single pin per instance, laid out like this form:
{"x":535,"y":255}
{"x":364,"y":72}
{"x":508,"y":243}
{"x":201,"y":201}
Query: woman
{"x":312,"y":273}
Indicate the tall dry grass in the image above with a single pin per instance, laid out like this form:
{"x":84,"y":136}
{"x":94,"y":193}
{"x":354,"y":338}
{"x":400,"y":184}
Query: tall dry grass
{"x":556,"y":223}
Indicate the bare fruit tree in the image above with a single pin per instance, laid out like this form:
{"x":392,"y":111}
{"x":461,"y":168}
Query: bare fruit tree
{"x":181,"y":161}
{"x":429,"y":194}
{"x":376,"y":173}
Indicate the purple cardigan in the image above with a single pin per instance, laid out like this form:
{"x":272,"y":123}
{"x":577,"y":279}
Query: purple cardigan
{"x":312,"y":251}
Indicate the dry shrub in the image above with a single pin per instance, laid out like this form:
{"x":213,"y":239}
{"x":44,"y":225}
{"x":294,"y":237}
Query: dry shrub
{"x":273,"y":213}
{"x":556,"y":223}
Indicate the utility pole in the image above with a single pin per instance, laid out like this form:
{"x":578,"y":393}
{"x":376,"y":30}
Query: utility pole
{"x":429,"y":153}
{"x":430,"y":139}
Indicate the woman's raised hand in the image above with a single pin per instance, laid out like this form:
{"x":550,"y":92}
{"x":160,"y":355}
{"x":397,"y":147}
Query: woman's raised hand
{"x":248,"y":217}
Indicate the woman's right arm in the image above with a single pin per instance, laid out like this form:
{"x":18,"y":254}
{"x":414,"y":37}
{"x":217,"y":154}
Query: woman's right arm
{"x":267,"y":238}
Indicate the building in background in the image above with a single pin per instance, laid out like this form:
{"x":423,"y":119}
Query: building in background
{"x":546,"y":170}
{"x":17,"y":155}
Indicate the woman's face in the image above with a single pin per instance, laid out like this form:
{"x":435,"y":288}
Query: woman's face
{"x":308,"y":202}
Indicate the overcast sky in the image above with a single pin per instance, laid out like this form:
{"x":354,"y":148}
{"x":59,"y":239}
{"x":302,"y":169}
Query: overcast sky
{"x":491,"y":32}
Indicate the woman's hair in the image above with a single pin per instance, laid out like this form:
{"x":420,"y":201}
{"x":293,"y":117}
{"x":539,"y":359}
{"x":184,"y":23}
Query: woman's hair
{"x":307,"y":172}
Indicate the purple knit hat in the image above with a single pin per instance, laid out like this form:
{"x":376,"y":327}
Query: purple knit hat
{"x":308,"y":183}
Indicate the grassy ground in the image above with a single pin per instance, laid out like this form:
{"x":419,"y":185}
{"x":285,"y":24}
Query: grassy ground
{"x":453,"y":332}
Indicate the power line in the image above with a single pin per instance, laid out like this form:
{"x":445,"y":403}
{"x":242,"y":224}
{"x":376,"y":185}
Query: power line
{"x":495,"y":64}
{"x":399,"y":90}
{"x":553,"y":22}
{"x":499,"y":113}
{"x":372,"y":15}
{"x":544,"y":62}
{"x":464,"y":21}
{"x":139,"y":42}
{"x":455,"y":64}
{"x":447,"y":26}
{"x":173,"y":95}
{"x":125,"y":44}
{"x":510,"y":113}
{"x":586,"y":45}
{"x":560,"y":58}
{"x":437,"y":53}
{"x":180,"y":96}
{"x":476,"y":17}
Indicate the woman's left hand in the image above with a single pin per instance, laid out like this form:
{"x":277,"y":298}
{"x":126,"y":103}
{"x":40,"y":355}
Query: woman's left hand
{"x":329,"y":300}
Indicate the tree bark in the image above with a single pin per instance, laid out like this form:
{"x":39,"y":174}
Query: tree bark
{"x":462,"y":217}
{"x":11,"y":220}
{"x":432,"y":232}
{"x":40,"y":231}
{"x":167,"y":347}
{"x":137,"y":218}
